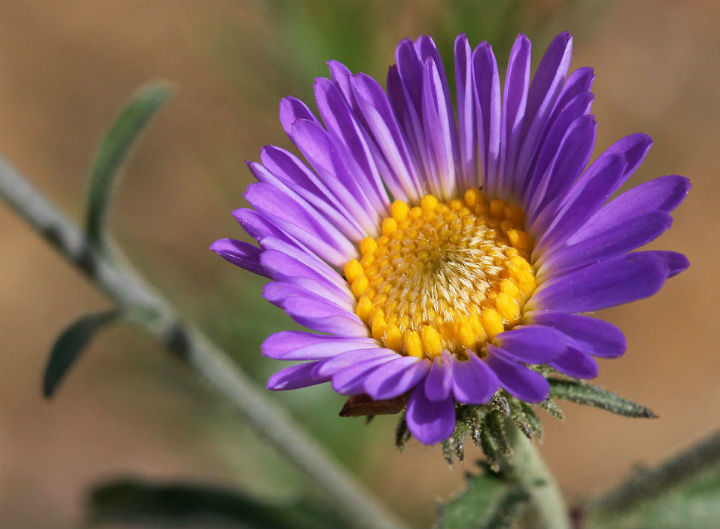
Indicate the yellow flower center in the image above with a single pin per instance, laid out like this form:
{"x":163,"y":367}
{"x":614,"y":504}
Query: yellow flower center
{"x":443,"y":276}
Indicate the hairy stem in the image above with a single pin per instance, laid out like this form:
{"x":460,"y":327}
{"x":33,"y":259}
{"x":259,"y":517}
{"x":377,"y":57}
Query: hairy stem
{"x":547,"y":509}
{"x":648,"y":483}
{"x":130,"y":291}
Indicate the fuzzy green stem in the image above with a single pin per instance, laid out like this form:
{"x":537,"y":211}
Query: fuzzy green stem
{"x":547,"y":509}
{"x":649,"y":483}
{"x":129,"y":290}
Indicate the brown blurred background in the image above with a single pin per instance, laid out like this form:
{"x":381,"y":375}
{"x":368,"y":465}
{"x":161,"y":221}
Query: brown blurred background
{"x":128,"y":409}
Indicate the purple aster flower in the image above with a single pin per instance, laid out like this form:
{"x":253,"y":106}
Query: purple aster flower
{"x":438,"y":251}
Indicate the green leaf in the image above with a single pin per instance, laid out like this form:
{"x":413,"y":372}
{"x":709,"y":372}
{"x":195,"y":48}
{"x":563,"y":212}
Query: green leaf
{"x":67,"y":348}
{"x":590,"y":395}
{"x":488,"y":501}
{"x":113,"y":151}
{"x":139,"y":504}
{"x":683,"y":492}
{"x":552,"y":408}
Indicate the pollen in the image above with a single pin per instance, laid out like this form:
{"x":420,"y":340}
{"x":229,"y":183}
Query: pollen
{"x":443,"y":276}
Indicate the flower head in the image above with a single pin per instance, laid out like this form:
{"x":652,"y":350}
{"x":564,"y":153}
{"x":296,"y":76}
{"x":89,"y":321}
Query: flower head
{"x":439,"y":251}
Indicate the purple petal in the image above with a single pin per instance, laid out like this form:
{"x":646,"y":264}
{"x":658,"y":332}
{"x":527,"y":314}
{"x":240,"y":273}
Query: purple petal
{"x":590,"y":335}
{"x":571,"y":158}
{"x":544,"y":90}
{"x":323,"y":316}
{"x":437,"y":85}
{"x":515,"y":96}
{"x":340,"y":121}
{"x":396,"y":377}
{"x":298,"y":345}
{"x":350,"y":380}
{"x":300,"y":220}
{"x":289,"y":174}
{"x":409,"y":68}
{"x":277,"y":292}
{"x":332,"y":161}
{"x":664,"y":193}
{"x":592,"y":189}
{"x":465,"y":113}
{"x":308,"y":259}
{"x":473,"y":381}
{"x":440,"y":133}
{"x":439,"y":380}
{"x":283,"y":267}
{"x":427,"y":50}
{"x":487,"y":100}
{"x":576,"y":364}
{"x":533,"y":344}
{"x":616,"y":240}
{"x":240,"y":253}
{"x":294,"y":377}
{"x":409,"y":118}
{"x":350,"y":358}
{"x":258,"y":227}
{"x":340,"y":74}
{"x":375,"y":108}
{"x":291,"y":170}
{"x":430,"y":422}
{"x":292,"y":109}
{"x":605,"y":284}
{"x":547,"y":151}
{"x":675,"y":262}
{"x":578,"y":82}
{"x":634,"y":149}
{"x":586,"y":197}
{"x":517,"y":379}
{"x":550,"y":75}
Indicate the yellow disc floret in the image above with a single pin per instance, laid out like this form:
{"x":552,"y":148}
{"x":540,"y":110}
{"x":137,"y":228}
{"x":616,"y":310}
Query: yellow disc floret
{"x":443,"y":276}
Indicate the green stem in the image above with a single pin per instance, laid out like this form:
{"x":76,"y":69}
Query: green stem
{"x":547,"y":509}
{"x":648,"y":483}
{"x":129,"y":290}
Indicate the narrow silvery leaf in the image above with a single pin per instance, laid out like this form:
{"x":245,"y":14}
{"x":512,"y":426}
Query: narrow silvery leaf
{"x":448,"y":450}
{"x":552,"y":408}
{"x":402,"y":433}
{"x":525,"y":419}
{"x":454,"y":446}
{"x":590,"y":395}
{"x":69,"y":345}
{"x":474,"y":421}
{"x":113,"y":151}
{"x":496,"y":429}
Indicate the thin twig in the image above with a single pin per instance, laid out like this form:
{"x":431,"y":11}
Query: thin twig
{"x":647,"y":483}
{"x":130,"y":291}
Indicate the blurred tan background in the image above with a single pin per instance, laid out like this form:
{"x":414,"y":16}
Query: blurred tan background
{"x":128,"y":409}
